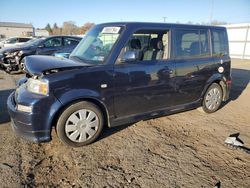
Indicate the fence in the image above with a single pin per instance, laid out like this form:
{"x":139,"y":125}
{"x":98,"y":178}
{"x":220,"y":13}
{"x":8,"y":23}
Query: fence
{"x":239,"y":40}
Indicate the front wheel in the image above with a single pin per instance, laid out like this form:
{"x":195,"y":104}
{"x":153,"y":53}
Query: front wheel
{"x":212,"y":99}
{"x":80,"y":124}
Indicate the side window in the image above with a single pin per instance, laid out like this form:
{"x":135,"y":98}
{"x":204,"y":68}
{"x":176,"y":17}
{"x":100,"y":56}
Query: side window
{"x":12,"y":41}
{"x":191,"y":43}
{"x":53,"y":42}
{"x":204,"y":44}
{"x":219,"y":42}
{"x":187,"y":43}
{"x":23,"y":39}
{"x":148,"y":44}
{"x":70,"y":42}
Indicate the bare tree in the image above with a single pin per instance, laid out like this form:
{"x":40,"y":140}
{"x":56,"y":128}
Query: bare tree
{"x":216,"y":22}
{"x":69,"y":28}
{"x":86,"y":27}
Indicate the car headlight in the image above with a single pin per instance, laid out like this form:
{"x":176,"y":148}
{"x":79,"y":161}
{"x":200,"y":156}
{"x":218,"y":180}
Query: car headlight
{"x":6,"y":53}
{"x":24,"y":108}
{"x":20,"y":53}
{"x":38,"y":86}
{"x":10,"y":54}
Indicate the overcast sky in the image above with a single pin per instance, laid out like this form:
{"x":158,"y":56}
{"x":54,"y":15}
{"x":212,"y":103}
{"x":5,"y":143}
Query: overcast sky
{"x":41,"y":12}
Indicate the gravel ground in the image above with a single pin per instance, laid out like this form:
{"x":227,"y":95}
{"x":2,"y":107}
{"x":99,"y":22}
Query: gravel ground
{"x":181,"y":150}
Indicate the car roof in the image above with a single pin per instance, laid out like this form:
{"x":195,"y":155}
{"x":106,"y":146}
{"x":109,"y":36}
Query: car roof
{"x":18,"y":37}
{"x":69,"y":36}
{"x":155,"y":24}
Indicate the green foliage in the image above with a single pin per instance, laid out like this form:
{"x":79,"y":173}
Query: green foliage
{"x":48,"y":28}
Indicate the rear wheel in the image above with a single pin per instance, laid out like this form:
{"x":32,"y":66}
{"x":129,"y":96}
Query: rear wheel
{"x":80,"y":124}
{"x":212,"y":99}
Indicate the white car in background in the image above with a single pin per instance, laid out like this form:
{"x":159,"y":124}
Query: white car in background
{"x":14,"y":41}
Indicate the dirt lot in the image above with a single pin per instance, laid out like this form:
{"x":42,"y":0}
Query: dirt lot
{"x":181,"y":150}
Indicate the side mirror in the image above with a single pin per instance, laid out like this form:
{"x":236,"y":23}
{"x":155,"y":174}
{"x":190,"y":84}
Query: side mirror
{"x":130,"y":56}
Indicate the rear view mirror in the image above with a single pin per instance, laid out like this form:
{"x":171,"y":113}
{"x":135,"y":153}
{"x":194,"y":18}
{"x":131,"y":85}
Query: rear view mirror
{"x":130,"y":56}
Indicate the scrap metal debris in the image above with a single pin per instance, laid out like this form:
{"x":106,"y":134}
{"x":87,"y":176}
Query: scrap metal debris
{"x":5,"y":166}
{"x":234,"y":141}
{"x":217,"y":185}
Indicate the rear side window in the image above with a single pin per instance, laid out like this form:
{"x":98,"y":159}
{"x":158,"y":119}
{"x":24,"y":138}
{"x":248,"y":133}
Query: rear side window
{"x":70,"y":42}
{"x":204,"y":45}
{"x":23,"y":39}
{"x":219,"y":42}
{"x":191,"y":43}
{"x":53,"y":42}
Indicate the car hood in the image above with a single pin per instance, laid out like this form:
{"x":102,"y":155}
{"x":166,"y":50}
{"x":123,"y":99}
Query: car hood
{"x":39,"y":65}
{"x":13,"y":49}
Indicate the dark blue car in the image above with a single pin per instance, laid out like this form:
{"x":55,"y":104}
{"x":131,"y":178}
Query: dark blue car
{"x":121,"y":73}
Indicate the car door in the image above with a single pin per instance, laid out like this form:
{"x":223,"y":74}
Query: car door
{"x":220,"y":51}
{"x":194,"y":63}
{"x":143,"y":85}
{"x":10,"y":42}
{"x":50,"y":46}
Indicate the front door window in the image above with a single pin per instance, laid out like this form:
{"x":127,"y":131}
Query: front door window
{"x":149,"y":45}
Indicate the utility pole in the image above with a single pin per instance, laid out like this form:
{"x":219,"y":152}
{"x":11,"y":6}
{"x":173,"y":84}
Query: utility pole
{"x":164,"y":19}
{"x":211,"y":10}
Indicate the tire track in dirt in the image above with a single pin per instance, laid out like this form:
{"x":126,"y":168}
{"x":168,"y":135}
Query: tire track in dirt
{"x":29,"y":157}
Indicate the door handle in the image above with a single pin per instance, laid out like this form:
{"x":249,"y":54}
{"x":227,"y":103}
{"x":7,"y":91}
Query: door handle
{"x":171,"y":71}
{"x":168,"y":70}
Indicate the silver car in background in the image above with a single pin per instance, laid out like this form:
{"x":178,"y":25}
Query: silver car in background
{"x":14,"y":41}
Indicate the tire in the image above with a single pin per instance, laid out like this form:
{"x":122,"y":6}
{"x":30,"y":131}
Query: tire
{"x":212,"y":99}
{"x":80,"y":124}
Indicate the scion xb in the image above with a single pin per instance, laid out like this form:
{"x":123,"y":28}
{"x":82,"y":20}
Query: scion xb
{"x":121,"y":73}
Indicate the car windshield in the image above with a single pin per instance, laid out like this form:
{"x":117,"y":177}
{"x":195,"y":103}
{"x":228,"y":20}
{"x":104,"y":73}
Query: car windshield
{"x":34,"y":42}
{"x":96,"y":46}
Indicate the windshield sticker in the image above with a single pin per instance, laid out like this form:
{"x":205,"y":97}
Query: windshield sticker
{"x":112,"y":30}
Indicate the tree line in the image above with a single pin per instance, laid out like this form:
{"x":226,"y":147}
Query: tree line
{"x":68,"y":28}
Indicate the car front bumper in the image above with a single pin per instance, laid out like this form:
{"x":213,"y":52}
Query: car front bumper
{"x":34,"y":136}
{"x":35,"y":126}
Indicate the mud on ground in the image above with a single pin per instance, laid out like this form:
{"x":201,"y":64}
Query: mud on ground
{"x":181,"y":150}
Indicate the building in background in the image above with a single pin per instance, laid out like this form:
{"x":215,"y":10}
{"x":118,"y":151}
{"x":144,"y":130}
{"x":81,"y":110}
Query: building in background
{"x":41,"y":33}
{"x":11,"y":29}
{"x":239,"y":40}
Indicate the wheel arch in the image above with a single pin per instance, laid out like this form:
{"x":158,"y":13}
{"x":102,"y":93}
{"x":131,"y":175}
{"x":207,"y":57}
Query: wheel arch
{"x":95,"y":101}
{"x":220,"y":80}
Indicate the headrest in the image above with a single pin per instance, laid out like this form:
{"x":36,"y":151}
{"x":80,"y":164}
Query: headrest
{"x":160,"y":45}
{"x":153,"y":43}
{"x":194,"y":45}
{"x":135,"y":44}
{"x":194,"y":48}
